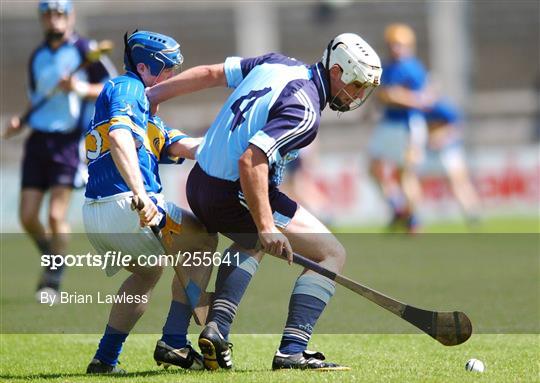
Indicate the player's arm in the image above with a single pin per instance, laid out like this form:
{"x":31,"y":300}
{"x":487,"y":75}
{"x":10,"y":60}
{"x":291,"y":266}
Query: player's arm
{"x":124,"y":154}
{"x":254,"y":169}
{"x":192,"y":80}
{"x":185,"y":148}
{"x":178,"y":145}
{"x":125,"y":158}
{"x":82,"y":88}
{"x":97,"y":66}
{"x":127,"y":117}
{"x":402,"y":97}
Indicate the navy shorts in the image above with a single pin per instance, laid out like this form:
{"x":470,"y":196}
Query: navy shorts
{"x":221,"y":207}
{"x":51,"y":159}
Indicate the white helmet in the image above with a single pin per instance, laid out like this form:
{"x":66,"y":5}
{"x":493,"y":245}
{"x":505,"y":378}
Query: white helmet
{"x":359,"y":62}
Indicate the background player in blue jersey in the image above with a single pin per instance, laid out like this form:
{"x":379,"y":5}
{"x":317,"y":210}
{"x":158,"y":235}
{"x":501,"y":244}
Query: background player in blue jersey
{"x":273,"y":111}
{"x":51,"y":156}
{"x":397,"y":145}
{"x":124,"y":146}
{"x":445,"y":151}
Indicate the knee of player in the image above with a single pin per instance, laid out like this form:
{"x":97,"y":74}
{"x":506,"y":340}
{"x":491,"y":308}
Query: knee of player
{"x":56,"y":219}
{"x":28,"y":219}
{"x":338,"y":254}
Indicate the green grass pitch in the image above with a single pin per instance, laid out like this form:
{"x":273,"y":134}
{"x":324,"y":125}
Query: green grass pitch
{"x":373,"y":358}
{"x":512,"y":355}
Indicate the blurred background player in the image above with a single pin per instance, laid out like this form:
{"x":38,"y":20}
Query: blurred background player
{"x":273,"y":112}
{"x":51,"y":156}
{"x":397,"y":145}
{"x":445,"y":151}
{"x":124,"y":146}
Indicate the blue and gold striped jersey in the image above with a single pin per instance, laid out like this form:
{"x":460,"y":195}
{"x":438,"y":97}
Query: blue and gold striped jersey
{"x":123,"y":105}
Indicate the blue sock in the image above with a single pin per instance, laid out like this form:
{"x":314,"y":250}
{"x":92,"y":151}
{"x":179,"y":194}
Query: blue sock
{"x":176,"y":325}
{"x":110,"y":346}
{"x":310,"y":295}
{"x":231,"y":283}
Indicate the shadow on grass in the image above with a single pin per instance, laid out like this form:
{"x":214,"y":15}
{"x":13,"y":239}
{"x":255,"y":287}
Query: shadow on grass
{"x":148,"y":373}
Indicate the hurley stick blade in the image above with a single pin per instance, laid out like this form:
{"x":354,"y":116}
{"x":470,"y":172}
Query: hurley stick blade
{"x":448,"y":328}
{"x":453,"y":328}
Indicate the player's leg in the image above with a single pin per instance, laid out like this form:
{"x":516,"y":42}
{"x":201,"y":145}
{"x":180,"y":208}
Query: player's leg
{"x":414,"y":153}
{"x":123,"y":317}
{"x":386,"y":177}
{"x":410,"y":184}
{"x":112,"y":226}
{"x":34,"y":186}
{"x":387,"y":150}
{"x":232,"y":281}
{"x":218,"y":205}
{"x":141,"y":282}
{"x":60,"y":197}
{"x":311,"y":292}
{"x":29,"y":207}
{"x":173,"y":347}
{"x":453,"y":160}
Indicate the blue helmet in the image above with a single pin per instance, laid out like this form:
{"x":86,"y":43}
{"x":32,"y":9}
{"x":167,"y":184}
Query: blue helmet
{"x":155,"y":50}
{"x":62,"y":6}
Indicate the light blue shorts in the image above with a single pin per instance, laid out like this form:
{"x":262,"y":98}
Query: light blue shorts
{"x":392,"y":139}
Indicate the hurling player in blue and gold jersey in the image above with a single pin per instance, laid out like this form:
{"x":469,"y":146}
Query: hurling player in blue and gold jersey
{"x":124,"y":146}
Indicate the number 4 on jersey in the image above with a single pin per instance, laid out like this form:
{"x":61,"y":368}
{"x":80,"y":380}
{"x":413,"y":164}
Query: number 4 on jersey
{"x":239,"y":113}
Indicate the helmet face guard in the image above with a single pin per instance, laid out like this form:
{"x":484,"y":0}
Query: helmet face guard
{"x":355,"y":101}
{"x":169,"y":60}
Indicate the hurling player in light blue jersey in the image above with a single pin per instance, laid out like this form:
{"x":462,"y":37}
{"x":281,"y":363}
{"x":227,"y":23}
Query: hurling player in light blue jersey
{"x":397,"y":145}
{"x":51,"y":160}
{"x":124,"y":146}
{"x":274,"y":110}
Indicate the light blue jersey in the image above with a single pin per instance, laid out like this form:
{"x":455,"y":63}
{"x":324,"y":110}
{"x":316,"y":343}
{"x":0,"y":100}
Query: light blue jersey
{"x":275,"y":106}
{"x":64,"y":112}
